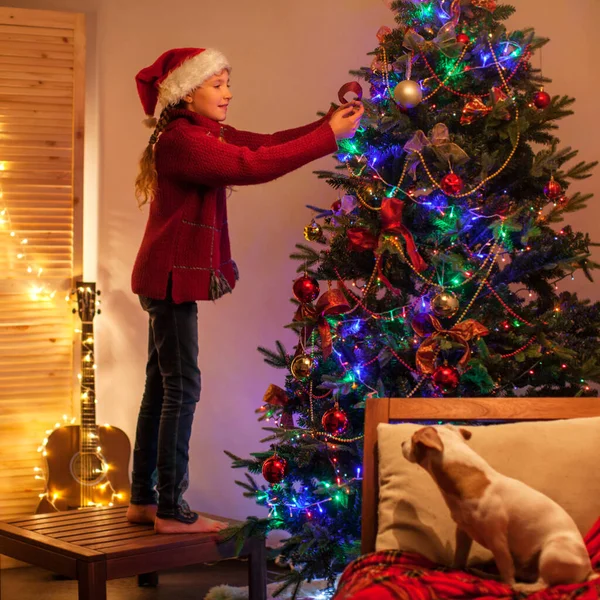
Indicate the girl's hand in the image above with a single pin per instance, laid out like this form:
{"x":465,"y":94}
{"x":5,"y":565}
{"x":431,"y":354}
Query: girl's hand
{"x":346,"y":119}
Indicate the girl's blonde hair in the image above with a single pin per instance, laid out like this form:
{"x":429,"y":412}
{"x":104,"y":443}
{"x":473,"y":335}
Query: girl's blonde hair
{"x":146,"y":181}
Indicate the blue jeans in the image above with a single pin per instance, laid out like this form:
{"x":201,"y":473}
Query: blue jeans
{"x":172,"y":390}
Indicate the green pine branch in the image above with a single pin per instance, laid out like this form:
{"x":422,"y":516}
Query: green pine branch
{"x":252,"y":527}
{"x":240,"y":463}
{"x":503,"y":12}
{"x":249,"y":485}
{"x":580,"y":171}
{"x":277,"y":359}
{"x":307,"y":255}
{"x":335,"y":181}
{"x":577,"y":202}
{"x":547,"y":162}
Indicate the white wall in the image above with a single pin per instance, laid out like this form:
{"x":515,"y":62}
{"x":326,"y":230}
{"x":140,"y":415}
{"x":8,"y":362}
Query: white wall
{"x":289,"y":60}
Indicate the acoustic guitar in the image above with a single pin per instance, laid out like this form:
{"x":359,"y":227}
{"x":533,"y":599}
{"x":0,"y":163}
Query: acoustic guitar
{"x":88,"y":464}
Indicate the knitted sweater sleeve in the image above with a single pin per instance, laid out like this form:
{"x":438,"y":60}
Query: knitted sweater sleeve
{"x":256,"y":140}
{"x":189,"y":154}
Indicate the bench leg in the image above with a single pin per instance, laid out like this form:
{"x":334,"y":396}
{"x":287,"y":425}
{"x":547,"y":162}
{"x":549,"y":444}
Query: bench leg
{"x":148,"y":579}
{"x":257,"y":570}
{"x":91,"y":580}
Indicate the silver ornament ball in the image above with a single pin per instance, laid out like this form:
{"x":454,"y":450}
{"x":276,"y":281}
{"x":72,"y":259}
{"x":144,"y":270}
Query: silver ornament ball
{"x":408,"y":94}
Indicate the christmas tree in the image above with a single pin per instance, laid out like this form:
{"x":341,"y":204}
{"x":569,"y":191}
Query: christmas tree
{"x":436,"y":271}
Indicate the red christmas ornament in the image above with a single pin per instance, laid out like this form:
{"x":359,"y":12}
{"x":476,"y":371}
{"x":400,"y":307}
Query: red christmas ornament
{"x":446,"y":378}
{"x":306,"y":289}
{"x":553,"y":189}
{"x":463,"y":38}
{"x":336,"y":206}
{"x":274,"y":469}
{"x":452,"y":184}
{"x":335,"y":421}
{"x":542,"y":99}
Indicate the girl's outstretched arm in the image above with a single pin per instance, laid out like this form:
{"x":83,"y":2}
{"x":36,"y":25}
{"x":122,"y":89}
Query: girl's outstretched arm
{"x":190,"y":154}
{"x":256,"y":140}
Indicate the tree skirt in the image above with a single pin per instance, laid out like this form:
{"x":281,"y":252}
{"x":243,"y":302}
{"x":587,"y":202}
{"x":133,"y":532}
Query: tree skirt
{"x":312,"y":590}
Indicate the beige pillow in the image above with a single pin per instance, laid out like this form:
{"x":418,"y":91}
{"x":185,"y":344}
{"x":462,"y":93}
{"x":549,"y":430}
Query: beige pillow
{"x":558,"y":458}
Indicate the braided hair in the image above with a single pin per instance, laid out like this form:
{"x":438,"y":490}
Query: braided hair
{"x":146,"y":181}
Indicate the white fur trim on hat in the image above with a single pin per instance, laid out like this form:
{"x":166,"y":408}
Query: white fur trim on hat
{"x":190,"y":74}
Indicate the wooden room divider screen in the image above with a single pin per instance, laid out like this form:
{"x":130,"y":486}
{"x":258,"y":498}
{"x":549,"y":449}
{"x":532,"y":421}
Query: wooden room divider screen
{"x":41,"y":183}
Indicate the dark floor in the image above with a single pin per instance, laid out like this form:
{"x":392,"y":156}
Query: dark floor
{"x":190,"y":583}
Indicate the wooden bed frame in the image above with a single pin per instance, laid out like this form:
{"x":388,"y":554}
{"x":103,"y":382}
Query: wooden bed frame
{"x":390,"y":410}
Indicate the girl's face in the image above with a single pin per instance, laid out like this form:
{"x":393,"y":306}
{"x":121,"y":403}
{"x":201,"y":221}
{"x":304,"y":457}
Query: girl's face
{"x":211,"y":98}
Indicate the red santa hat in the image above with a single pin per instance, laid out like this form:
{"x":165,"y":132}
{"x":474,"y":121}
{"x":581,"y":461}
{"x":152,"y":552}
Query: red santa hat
{"x":176,"y":73}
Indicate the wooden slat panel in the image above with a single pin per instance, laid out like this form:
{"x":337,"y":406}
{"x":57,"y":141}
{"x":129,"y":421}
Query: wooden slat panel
{"x":53,"y":104}
{"x":15,"y":127}
{"x":14,"y":74}
{"x":30,"y":154}
{"x":13,"y":63}
{"x":30,"y":31}
{"x":36,"y":47}
{"x":37,"y":18}
{"x":36,"y":136}
{"x":26,"y":35}
{"x":41,"y":82}
{"x":38,"y":112}
{"x":41,"y":177}
{"x":42,"y":91}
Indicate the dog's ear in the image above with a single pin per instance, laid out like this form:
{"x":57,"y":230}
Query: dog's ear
{"x":429,"y":437}
{"x":465,"y":433}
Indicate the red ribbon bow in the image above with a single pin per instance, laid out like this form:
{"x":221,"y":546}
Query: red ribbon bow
{"x":361,"y":238}
{"x":353,"y":87}
{"x":461,"y":333}
{"x":332,"y":302}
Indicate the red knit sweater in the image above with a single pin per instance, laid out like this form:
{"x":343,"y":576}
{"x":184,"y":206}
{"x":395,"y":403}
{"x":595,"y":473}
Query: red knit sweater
{"x":186,"y":233}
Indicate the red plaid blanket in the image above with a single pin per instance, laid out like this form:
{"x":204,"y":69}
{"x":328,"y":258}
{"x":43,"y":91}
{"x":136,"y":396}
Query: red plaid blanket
{"x":395,"y":575}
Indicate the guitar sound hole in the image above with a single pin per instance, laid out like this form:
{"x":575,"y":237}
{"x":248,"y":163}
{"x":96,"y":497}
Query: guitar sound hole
{"x":88,"y":468}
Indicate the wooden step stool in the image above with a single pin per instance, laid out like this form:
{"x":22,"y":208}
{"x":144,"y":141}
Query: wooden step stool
{"x":95,"y":545}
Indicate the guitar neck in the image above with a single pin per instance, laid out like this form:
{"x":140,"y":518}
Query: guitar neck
{"x":89,"y":430}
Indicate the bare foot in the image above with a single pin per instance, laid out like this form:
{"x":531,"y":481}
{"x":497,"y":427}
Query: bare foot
{"x":141,"y":513}
{"x":202,"y":525}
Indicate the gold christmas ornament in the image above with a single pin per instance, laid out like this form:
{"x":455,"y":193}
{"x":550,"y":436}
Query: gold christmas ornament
{"x":302,"y":366}
{"x":408,"y":94}
{"x":445,"y":305}
{"x":313,"y":232}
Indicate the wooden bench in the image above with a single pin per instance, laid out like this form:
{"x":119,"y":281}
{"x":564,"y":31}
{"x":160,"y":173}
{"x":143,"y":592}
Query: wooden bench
{"x":95,"y":545}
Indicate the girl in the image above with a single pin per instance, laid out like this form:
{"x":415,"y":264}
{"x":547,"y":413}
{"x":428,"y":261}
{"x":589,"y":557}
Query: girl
{"x":185,"y":256}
